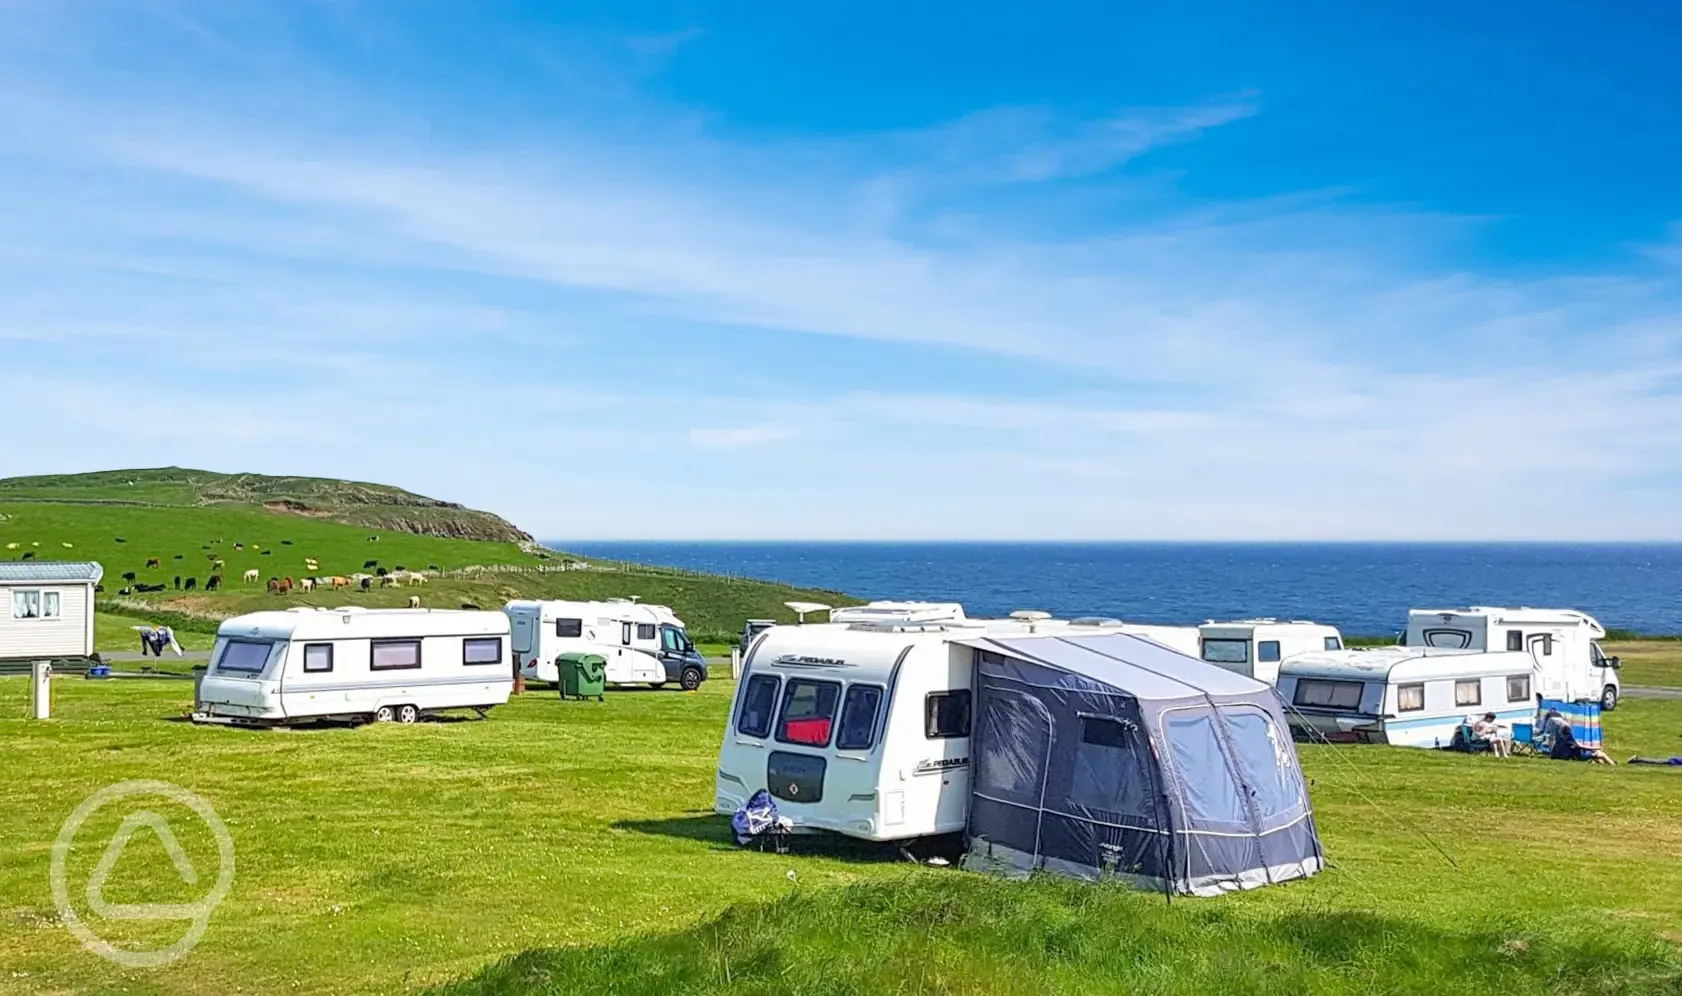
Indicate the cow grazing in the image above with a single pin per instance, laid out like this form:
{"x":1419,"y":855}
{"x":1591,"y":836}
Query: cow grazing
{"x":68,"y":546}
{"x":369,"y":565}
{"x":373,"y":539}
{"x":274,"y":586}
{"x":415,"y":579}
{"x":414,"y":601}
{"x":367,"y":583}
{"x":98,"y":588}
{"x":307,"y":584}
{"x":239,"y":546}
{"x":177,"y":582}
{"x":29,"y":555}
{"x":152,"y":562}
{"x":213,"y":582}
{"x":128,"y":575}
{"x":191,"y":584}
{"x":252,"y":575}
{"x":267,"y":553}
{"x":125,"y":591}
{"x":180,"y":557}
{"x":121,"y":540}
{"x":286,"y":586}
{"x":11,"y":546}
{"x":390,"y":581}
{"x":285,"y":542}
{"x":338,"y":581}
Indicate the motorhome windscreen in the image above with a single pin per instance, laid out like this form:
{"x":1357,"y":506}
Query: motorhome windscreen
{"x":675,"y":640}
{"x":1226,"y":651}
{"x":808,"y":714}
{"x":1328,"y":694}
{"x":244,"y":656}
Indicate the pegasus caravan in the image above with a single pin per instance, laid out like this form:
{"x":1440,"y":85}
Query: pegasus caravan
{"x":354,"y":663}
{"x":643,"y":644}
{"x":865,"y":729}
{"x":1255,"y":647}
{"x":1571,"y":664}
{"x":1407,"y":696}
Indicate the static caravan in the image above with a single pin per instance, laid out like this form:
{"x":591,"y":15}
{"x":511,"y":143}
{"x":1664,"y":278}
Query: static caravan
{"x":1255,"y":647}
{"x":1406,"y":696}
{"x":1563,"y":641}
{"x":46,"y":610}
{"x":302,"y":664}
{"x":643,"y":644}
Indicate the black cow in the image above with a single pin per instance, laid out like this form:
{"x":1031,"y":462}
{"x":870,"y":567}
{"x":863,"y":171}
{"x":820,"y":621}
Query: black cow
{"x":98,"y":588}
{"x":213,"y":582}
{"x":380,"y":571}
{"x":28,"y":555}
{"x":191,"y":584}
{"x":369,"y":565}
{"x":285,"y":542}
{"x":180,"y":557}
{"x":124,"y":591}
{"x":367,"y":583}
{"x":267,"y":553}
{"x":128,"y":576}
{"x":177,"y":582}
{"x":152,"y":562}
{"x":121,"y":540}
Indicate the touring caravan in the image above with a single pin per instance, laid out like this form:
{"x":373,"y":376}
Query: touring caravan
{"x":643,"y":644}
{"x":1255,"y":647}
{"x":271,"y":668}
{"x":1563,"y":642}
{"x":1405,"y":696}
{"x":862,"y":727}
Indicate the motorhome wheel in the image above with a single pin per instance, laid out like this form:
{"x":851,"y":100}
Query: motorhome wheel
{"x":407,"y":714}
{"x":691,"y":679}
{"x":384,"y":714}
{"x":1609,"y":698}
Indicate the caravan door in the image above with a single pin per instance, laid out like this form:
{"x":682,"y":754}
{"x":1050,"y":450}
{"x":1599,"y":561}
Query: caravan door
{"x":1545,"y":651}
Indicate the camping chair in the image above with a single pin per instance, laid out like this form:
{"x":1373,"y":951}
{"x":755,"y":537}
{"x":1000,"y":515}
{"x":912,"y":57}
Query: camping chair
{"x":1467,"y":741}
{"x":1525,"y":743}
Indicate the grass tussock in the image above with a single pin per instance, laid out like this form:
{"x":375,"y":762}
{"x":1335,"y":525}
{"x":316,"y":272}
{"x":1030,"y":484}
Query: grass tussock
{"x":951,"y":934}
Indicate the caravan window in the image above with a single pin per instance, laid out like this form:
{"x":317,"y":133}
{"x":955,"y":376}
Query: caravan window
{"x":645,"y":631}
{"x":946,"y":714}
{"x":625,"y":633}
{"x":1328,"y":694}
{"x":1267,"y":651}
{"x":569,"y":629}
{"x":808,"y":715}
{"x":481,"y":650}
{"x":394,"y":655}
{"x":1448,"y":639}
{"x":1334,"y":643}
{"x":758,"y":702}
{"x":1468,"y":692}
{"x":33,"y":604}
{"x":1547,"y":642}
{"x":1410,"y":698}
{"x":1515,"y":639}
{"x":244,"y":656}
{"x":858,"y":718}
{"x":318,"y":658}
{"x":1226,"y":651}
{"x":1518,"y":688}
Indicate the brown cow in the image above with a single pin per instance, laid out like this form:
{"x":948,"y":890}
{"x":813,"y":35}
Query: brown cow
{"x":340,"y":581}
{"x":286,"y":586}
{"x":151,"y":562}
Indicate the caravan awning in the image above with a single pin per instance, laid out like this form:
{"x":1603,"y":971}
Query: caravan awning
{"x":1142,"y":667}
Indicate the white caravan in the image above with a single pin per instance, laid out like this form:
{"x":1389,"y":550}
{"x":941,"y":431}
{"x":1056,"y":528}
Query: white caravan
{"x":1406,"y":696}
{"x":1254,"y":647}
{"x":1571,"y":664}
{"x":1182,"y":639}
{"x":353,"y":663}
{"x":877,"y":713}
{"x":643,"y":644}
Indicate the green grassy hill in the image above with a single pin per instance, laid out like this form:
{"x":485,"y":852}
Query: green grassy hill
{"x":187,"y":521}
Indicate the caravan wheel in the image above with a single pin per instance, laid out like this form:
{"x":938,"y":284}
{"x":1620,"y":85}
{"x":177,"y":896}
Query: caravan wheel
{"x":384,"y":714}
{"x":408,"y":714}
{"x":1609,"y":698}
{"x":690,"y":679}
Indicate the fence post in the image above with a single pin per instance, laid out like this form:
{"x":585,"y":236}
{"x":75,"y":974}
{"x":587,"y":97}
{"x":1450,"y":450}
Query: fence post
{"x":40,"y":689}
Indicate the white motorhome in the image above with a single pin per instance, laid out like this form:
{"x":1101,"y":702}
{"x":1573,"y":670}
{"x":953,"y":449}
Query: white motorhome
{"x":1406,"y":696}
{"x":1563,"y":642}
{"x":643,"y":644}
{"x":876,"y":713}
{"x":303,"y":664}
{"x":1255,"y":647}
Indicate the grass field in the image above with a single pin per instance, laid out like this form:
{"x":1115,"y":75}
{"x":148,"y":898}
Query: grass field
{"x":574,"y":839}
{"x":1649,"y":662}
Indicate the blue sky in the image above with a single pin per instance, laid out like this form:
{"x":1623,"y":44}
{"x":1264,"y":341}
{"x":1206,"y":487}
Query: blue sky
{"x":1206,"y":271}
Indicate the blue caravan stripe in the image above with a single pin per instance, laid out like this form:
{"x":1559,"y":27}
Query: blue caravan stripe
{"x":1441,"y":718}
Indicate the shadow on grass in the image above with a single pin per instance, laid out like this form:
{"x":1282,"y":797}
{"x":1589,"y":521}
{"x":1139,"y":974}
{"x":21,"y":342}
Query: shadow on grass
{"x":711,"y":828}
{"x":952,"y":934}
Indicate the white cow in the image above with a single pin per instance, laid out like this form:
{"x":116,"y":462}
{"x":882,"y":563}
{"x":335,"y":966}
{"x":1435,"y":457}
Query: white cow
{"x":252,"y":575}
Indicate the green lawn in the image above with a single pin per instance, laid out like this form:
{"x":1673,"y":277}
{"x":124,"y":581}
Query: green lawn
{"x":113,"y":632}
{"x":392,"y":859}
{"x":1649,"y":662}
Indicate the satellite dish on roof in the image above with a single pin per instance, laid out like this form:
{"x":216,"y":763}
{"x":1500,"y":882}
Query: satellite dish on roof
{"x":801,"y":608}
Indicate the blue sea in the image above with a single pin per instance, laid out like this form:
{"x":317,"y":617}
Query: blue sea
{"x":1363,"y":588}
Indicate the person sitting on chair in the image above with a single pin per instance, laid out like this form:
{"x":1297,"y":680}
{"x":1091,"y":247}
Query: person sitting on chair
{"x":1499,"y":737}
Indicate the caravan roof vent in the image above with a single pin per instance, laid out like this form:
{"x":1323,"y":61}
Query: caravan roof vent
{"x":1095,"y":621}
{"x":1030,"y":615}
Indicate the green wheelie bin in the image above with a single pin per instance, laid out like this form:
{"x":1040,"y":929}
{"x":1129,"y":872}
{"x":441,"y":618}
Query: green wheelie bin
{"x":582,"y":675}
